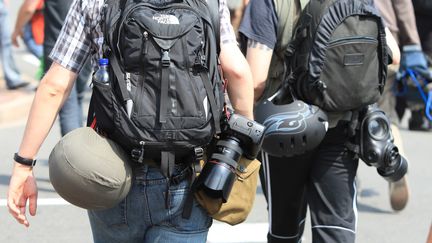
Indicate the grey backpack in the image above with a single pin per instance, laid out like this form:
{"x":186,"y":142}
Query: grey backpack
{"x":337,"y":58}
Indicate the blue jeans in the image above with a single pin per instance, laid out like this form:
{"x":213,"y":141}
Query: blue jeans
{"x":10,"y":70}
{"x":144,"y":217}
{"x":29,"y":41}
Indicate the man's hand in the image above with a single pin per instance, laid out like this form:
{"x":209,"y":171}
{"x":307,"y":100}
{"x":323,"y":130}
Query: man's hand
{"x":22,"y":188}
{"x":414,"y":58}
{"x":15,"y":35}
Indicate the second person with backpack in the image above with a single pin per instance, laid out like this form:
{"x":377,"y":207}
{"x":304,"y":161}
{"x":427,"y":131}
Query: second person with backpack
{"x":315,"y":66}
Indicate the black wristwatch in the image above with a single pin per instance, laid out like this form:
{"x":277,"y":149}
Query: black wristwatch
{"x":24,"y":161}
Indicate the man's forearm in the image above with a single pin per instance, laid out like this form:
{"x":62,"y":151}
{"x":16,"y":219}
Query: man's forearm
{"x":259,"y":58}
{"x":25,"y":13}
{"x":50,"y":96}
{"x":241,"y":95}
{"x":240,"y":84}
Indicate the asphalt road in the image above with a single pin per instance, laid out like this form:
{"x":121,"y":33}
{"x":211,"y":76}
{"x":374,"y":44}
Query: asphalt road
{"x":57,"y":221}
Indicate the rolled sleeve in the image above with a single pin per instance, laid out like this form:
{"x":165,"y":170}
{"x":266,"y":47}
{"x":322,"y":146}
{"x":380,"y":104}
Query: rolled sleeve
{"x":73,"y":44}
{"x":227,"y":34}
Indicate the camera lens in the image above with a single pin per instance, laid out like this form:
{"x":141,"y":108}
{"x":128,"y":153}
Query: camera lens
{"x":219,"y":173}
{"x":378,"y":128}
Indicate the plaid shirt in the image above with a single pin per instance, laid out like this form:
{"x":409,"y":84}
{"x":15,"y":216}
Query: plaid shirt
{"x":82,"y":34}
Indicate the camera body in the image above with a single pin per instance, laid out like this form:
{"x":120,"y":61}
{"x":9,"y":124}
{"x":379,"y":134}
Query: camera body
{"x":248,"y":132}
{"x":240,"y":137}
{"x":376,"y":145}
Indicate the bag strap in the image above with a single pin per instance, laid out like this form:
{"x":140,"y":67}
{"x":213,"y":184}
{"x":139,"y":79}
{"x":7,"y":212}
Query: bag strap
{"x":212,"y":100}
{"x":287,"y":13}
{"x":200,"y":62}
{"x":121,"y":81}
{"x":213,"y":6}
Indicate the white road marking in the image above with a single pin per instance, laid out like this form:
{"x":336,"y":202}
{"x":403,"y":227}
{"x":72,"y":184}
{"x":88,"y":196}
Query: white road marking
{"x":42,"y":202}
{"x":30,"y":58}
{"x":218,"y":233}
{"x":245,"y":232}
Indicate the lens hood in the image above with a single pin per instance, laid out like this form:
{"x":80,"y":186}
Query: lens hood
{"x":216,"y":179}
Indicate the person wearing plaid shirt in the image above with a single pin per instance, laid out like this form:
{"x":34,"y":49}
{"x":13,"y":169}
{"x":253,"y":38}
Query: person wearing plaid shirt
{"x":80,"y":37}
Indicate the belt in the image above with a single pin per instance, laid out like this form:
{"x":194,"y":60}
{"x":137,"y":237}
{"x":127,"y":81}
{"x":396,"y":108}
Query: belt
{"x":175,"y":179}
{"x":185,"y":173}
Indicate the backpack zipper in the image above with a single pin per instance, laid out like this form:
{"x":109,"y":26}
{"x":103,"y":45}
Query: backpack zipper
{"x":351,"y":40}
{"x":145,"y":45}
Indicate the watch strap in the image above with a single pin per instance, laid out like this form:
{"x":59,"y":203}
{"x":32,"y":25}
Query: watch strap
{"x":24,"y":161}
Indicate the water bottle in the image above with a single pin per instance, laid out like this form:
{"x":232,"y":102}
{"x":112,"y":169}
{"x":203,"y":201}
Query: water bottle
{"x":102,"y":76}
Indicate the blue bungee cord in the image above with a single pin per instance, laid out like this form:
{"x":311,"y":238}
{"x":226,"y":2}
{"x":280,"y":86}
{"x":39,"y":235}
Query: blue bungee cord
{"x":427,"y":99}
{"x":429,"y":106}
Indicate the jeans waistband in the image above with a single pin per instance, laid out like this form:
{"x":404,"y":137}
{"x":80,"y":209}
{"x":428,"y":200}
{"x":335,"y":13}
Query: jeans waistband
{"x":182,"y":171}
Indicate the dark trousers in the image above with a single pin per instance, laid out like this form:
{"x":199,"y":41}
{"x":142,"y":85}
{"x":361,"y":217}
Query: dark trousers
{"x":425,"y":31}
{"x":324,"y":180}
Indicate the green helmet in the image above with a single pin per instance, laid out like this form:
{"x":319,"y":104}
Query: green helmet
{"x":89,"y":171}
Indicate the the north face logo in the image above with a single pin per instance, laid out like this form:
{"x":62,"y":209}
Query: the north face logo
{"x":166,"y":19}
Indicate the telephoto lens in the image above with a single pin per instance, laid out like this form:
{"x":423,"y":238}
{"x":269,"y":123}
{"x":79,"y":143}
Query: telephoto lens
{"x":376,"y":145}
{"x":240,"y":137}
{"x":219,"y":173}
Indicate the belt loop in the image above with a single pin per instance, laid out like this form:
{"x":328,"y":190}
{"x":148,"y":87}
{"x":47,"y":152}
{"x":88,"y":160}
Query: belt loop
{"x":198,"y":156}
{"x":145,"y":168}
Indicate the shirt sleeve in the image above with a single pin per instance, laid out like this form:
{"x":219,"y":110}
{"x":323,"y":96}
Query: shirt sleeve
{"x":227,"y":33}
{"x":74,"y":41}
{"x":259,"y":22}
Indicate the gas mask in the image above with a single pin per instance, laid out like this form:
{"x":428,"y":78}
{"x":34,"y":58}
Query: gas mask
{"x":376,"y":145}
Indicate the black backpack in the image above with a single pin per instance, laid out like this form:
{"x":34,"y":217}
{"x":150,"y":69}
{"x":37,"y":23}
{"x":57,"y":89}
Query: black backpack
{"x":423,"y":7}
{"x":163,"y":56}
{"x":338,"y":54}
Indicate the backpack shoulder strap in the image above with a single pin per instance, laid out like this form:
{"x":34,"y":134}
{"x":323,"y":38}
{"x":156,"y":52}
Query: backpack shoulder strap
{"x":111,"y":13}
{"x":214,"y":14}
{"x":287,"y":13}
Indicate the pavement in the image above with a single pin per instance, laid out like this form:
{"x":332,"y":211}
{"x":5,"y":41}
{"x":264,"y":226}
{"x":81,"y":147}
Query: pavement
{"x":15,"y":104}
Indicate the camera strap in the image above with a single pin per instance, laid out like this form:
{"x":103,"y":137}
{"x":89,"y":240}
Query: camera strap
{"x":198,"y":156}
{"x":352,"y":119}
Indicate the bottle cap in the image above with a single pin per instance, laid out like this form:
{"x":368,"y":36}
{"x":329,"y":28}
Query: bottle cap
{"x":103,"y":61}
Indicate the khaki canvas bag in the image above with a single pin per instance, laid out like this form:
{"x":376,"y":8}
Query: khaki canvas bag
{"x":242,"y":196}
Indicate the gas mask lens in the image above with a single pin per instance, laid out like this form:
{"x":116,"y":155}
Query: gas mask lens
{"x":378,"y":128}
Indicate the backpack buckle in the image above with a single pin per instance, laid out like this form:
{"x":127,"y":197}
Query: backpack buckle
{"x":138,"y":154}
{"x":199,"y":153}
{"x":166,"y":60}
{"x":290,"y":50}
{"x":321,"y":85}
{"x":200,"y":63}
